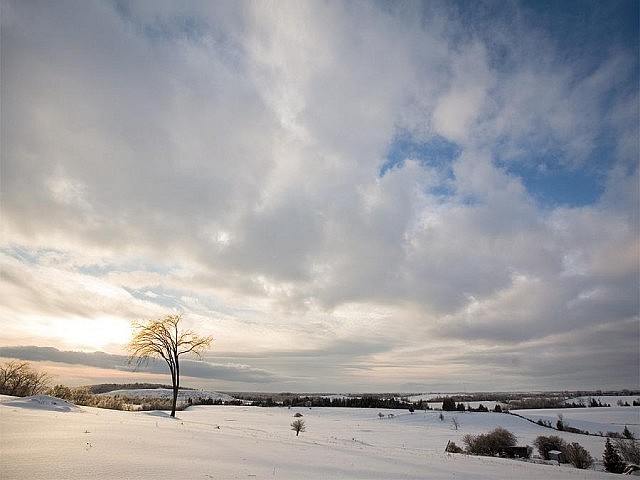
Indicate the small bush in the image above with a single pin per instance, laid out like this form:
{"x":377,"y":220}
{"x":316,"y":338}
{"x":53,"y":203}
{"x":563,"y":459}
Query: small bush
{"x":489,"y":444}
{"x":575,"y":430}
{"x":546,"y":444}
{"x":20,"y":379}
{"x":453,"y":448}
{"x":560,"y":425}
{"x":578,"y":456}
{"x":627,"y":433}
{"x":629,"y":450}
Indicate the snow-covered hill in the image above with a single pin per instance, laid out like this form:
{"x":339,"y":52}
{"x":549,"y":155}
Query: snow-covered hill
{"x":594,"y":420}
{"x":183,"y":395}
{"x":40,"y":402}
{"x":225,"y":442}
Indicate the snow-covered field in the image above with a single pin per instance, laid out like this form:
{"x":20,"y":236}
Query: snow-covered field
{"x":593,"y":420}
{"x":45,"y":438}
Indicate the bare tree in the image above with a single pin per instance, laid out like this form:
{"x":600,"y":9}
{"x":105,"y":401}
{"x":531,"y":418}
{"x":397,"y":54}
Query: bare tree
{"x":21,"y":380}
{"x":162,"y":338}
{"x":455,"y":422}
{"x":298,"y":426}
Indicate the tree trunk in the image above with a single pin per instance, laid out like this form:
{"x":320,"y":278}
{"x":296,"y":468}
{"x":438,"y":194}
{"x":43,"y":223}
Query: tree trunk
{"x":175,"y":380}
{"x":174,"y":401}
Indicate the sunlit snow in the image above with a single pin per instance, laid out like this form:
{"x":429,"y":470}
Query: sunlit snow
{"x":224,"y":442}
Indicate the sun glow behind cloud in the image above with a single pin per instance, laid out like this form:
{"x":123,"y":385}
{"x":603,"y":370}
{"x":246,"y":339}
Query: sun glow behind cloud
{"x":101,"y":333}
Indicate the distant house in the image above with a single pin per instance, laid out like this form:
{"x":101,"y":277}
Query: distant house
{"x":556,"y":455}
{"x":516,"y":452}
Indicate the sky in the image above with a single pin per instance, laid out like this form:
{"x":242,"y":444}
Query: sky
{"x":348,"y":196}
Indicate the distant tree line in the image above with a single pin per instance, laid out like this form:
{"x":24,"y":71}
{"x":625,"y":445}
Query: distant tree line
{"x":110,"y":387}
{"x":365,"y":401}
{"x":211,"y":401}
{"x":449,"y":404}
{"x":520,"y":400}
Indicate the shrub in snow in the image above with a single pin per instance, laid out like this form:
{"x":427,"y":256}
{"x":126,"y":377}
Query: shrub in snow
{"x":629,"y":450}
{"x":298,"y":426}
{"x":578,"y":456}
{"x":452,"y":448}
{"x":544,"y":423}
{"x":19,"y":379}
{"x":560,"y":425}
{"x":83,"y":396}
{"x":489,"y":444}
{"x":626,"y":433}
{"x":546,"y":444}
{"x":611,"y":459}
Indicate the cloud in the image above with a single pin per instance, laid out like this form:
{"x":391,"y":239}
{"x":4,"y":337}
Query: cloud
{"x":232,"y":372}
{"x":245,"y":165}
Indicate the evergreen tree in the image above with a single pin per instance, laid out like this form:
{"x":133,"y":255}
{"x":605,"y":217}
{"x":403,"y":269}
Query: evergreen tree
{"x":611,"y":459}
{"x":627,"y":433}
{"x":448,"y":404}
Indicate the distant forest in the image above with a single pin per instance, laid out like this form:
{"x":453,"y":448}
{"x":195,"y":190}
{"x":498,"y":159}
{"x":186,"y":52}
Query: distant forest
{"x":110,"y":387}
{"x":460,"y":401}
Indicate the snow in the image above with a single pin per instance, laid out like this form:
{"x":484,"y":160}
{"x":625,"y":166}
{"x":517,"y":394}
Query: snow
{"x":41,"y":402}
{"x":609,"y":399}
{"x":593,"y":420}
{"x":225,"y":442}
{"x":183,"y":395}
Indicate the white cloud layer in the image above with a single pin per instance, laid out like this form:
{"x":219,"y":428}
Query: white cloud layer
{"x":224,"y":159}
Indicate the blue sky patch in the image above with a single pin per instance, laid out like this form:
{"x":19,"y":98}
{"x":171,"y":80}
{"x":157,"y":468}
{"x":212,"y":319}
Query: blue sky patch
{"x":438,"y":152}
{"x":560,"y":186}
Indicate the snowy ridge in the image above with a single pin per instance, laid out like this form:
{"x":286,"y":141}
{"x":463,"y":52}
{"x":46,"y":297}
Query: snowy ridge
{"x":183,"y":394}
{"x":594,"y":419}
{"x":41,"y":402}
